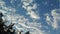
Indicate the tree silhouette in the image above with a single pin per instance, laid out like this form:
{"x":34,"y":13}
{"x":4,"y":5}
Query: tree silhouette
{"x":7,"y":29}
{"x":2,"y":29}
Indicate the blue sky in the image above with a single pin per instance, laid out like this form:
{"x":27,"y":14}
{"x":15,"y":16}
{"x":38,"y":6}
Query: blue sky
{"x":45,"y":13}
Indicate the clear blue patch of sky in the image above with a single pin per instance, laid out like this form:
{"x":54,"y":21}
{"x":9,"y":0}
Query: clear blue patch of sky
{"x":46,"y":5}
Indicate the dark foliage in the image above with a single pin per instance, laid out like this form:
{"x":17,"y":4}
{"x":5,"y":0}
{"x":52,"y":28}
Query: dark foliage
{"x":7,"y":30}
{"x":2,"y":29}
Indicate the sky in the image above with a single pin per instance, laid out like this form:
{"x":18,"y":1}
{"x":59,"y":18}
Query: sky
{"x":36,"y":16}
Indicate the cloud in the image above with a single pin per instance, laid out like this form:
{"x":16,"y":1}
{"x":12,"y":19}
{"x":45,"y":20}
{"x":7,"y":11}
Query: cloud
{"x":48,"y":19}
{"x":25,"y":3}
{"x":3,"y":11}
{"x":28,"y":1}
{"x":33,"y":15}
{"x":37,"y":32}
{"x":53,"y":21}
{"x":56,"y":16}
{"x":2,"y":3}
{"x":9,"y":9}
{"x":20,"y":21}
{"x":29,"y":9}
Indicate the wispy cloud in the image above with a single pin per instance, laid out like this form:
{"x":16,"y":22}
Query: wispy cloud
{"x":19,"y":21}
{"x":29,"y":9}
{"x":2,"y":3}
{"x":56,"y":16}
{"x":53,"y":21}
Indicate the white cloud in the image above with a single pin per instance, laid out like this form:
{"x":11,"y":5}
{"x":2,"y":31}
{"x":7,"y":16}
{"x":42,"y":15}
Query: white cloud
{"x":55,"y":20}
{"x":37,"y":32}
{"x":20,"y":20}
{"x":25,"y":3}
{"x":2,"y":3}
{"x":28,"y":1}
{"x":3,"y":11}
{"x":29,"y":9}
{"x":33,"y":15}
{"x":48,"y":19}
{"x":56,"y":16}
{"x":34,"y":6}
{"x":24,"y":7}
{"x":9,"y":9}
